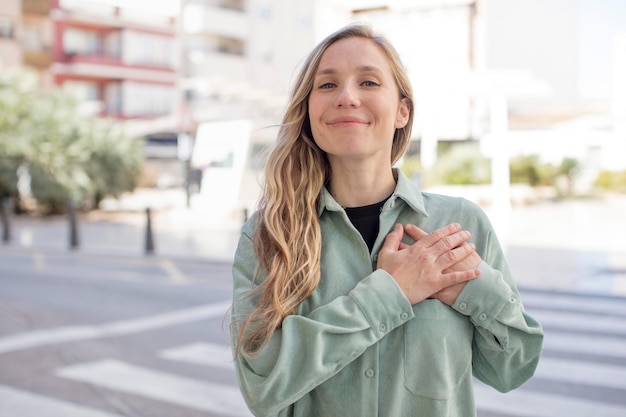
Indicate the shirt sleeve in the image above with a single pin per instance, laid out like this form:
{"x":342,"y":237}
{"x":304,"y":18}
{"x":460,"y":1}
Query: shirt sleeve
{"x":308,"y":350}
{"x":507,"y":341}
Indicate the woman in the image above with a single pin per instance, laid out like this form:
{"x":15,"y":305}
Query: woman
{"x":355,"y":293}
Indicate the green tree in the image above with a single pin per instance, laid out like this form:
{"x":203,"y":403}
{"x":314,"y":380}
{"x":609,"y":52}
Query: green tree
{"x":67,"y":156}
{"x":569,"y":169}
{"x":528,"y":169}
{"x":461,"y":164}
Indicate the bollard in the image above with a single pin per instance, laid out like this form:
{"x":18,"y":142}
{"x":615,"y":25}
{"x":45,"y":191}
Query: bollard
{"x":149,"y":237}
{"x":6,"y":224}
{"x":73,"y":225}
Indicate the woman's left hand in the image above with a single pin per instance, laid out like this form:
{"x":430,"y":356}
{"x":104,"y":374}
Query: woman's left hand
{"x":449,"y":294}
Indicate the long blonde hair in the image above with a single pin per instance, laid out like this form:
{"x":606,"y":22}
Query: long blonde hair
{"x":287,"y":241}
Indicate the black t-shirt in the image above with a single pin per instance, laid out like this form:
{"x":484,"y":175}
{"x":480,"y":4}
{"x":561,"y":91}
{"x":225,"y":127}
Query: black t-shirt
{"x":366,"y":221}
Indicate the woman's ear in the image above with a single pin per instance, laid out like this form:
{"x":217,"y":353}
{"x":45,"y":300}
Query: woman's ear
{"x":402,"y":117}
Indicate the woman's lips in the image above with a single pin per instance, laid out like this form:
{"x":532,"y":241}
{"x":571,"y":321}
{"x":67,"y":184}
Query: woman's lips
{"x":347,"y":121}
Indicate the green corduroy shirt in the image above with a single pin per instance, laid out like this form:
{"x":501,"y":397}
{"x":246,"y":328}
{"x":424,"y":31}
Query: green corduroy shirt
{"x":358,"y":348}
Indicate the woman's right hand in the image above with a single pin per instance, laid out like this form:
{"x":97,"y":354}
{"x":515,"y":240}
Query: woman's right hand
{"x":422,"y":269}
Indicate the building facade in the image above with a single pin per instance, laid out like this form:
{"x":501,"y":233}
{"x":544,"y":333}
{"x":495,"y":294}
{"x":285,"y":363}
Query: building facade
{"x":10,"y":47}
{"x":120,"y":63}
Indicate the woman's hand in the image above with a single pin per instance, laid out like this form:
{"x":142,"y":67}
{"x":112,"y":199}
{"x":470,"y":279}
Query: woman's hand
{"x":447,"y":295}
{"x":437,"y":265}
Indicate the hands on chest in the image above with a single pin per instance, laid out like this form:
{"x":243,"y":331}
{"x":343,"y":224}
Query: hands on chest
{"x":437,"y":265}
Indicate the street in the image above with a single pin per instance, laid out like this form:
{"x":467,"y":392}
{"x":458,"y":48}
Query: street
{"x":85,"y":336}
{"x":105,"y":331}
{"x":89,"y":336}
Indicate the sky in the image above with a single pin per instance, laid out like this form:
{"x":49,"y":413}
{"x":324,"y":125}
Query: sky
{"x":600,"y":22}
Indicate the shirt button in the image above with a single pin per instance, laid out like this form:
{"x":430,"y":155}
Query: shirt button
{"x":404,"y":316}
{"x":462,"y":306}
{"x":482,"y":317}
{"x":383,"y":327}
{"x":369,"y":373}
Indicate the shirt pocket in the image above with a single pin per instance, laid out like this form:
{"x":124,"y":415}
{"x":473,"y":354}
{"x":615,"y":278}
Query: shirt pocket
{"x":437,"y":350}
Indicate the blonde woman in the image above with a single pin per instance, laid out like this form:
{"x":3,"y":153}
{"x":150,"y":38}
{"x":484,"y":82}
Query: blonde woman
{"x":356,"y":294}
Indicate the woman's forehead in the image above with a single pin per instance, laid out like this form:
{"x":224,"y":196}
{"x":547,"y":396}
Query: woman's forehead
{"x":361,"y":53}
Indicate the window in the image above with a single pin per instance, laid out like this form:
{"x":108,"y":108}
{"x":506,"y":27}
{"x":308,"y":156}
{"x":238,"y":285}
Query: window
{"x":141,"y":99}
{"x":7,"y":28}
{"x":80,"y":42}
{"x":82,"y":90}
{"x":148,"y":49}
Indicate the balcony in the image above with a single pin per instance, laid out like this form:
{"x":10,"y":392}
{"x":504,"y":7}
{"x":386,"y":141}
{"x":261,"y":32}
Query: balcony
{"x":101,"y":68}
{"x":38,"y":59}
{"x":211,"y":64}
{"x":215,"y":20}
{"x":41,"y":7}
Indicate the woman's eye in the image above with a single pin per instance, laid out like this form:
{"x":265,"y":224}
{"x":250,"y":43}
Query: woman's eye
{"x":327,"y":85}
{"x":370,"y":84}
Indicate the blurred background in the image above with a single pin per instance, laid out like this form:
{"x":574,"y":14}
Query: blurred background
{"x":526,"y":97}
{"x":108,"y":103}
{"x":132,"y":141}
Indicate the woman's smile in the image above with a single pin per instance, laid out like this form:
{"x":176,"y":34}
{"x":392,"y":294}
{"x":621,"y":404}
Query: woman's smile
{"x":347,"y":121}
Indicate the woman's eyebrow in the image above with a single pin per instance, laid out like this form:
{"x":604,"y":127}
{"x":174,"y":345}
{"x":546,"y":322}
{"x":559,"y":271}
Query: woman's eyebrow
{"x":361,"y":68}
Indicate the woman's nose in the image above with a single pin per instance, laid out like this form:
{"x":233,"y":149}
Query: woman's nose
{"x":348,"y":97}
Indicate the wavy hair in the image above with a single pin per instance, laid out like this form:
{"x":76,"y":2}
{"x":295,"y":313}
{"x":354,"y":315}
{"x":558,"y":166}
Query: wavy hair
{"x":287,"y":240}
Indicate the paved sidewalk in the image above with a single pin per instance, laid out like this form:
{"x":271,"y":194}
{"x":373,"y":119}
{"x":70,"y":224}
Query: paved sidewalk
{"x":574,"y":245}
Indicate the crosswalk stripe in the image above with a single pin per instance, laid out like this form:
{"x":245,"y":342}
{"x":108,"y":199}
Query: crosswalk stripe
{"x":580,"y":321}
{"x":210,"y":354}
{"x":64,"y":334}
{"x":521,"y":403}
{"x":161,"y":386}
{"x":567,"y":370}
{"x":18,"y":403}
{"x":576,"y":343}
{"x":579,"y":303}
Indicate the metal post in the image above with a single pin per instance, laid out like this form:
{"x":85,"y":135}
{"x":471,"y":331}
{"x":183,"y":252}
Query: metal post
{"x":6,"y":225}
{"x":73,"y":225}
{"x":188,"y":182}
{"x":149,"y":236}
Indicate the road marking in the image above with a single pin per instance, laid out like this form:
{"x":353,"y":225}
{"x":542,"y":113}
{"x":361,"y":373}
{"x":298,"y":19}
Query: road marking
{"x":65,"y":334}
{"x":39,"y":260}
{"x":583,"y":343}
{"x":160,"y":386}
{"x":532,"y":404}
{"x":600,"y":305}
{"x":577,"y":372}
{"x":210,"y":354}
{"x":581,"y":321}
{"x":18,"y":403}
{"x":172,"y":271}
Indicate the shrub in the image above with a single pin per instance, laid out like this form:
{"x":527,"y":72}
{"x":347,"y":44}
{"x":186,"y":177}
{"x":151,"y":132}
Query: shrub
{"x":462,"y":164}
{"x":528,"y":169}
{"x":614,"y":181}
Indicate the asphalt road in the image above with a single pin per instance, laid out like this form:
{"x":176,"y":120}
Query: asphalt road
{"x":85,"y":335}
{"x":66,"y":318}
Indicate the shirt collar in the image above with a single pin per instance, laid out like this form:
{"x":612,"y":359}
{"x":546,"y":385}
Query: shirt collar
{"x":406,"y":190}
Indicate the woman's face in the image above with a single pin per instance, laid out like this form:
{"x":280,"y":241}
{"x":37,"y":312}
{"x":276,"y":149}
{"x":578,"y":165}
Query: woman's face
{"x":355,"y":106}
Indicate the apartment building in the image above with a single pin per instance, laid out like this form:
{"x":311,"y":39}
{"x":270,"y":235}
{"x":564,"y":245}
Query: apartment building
{"x":239,"y":56}
{"x":10,"y":48}
{"x":120,"y":62}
